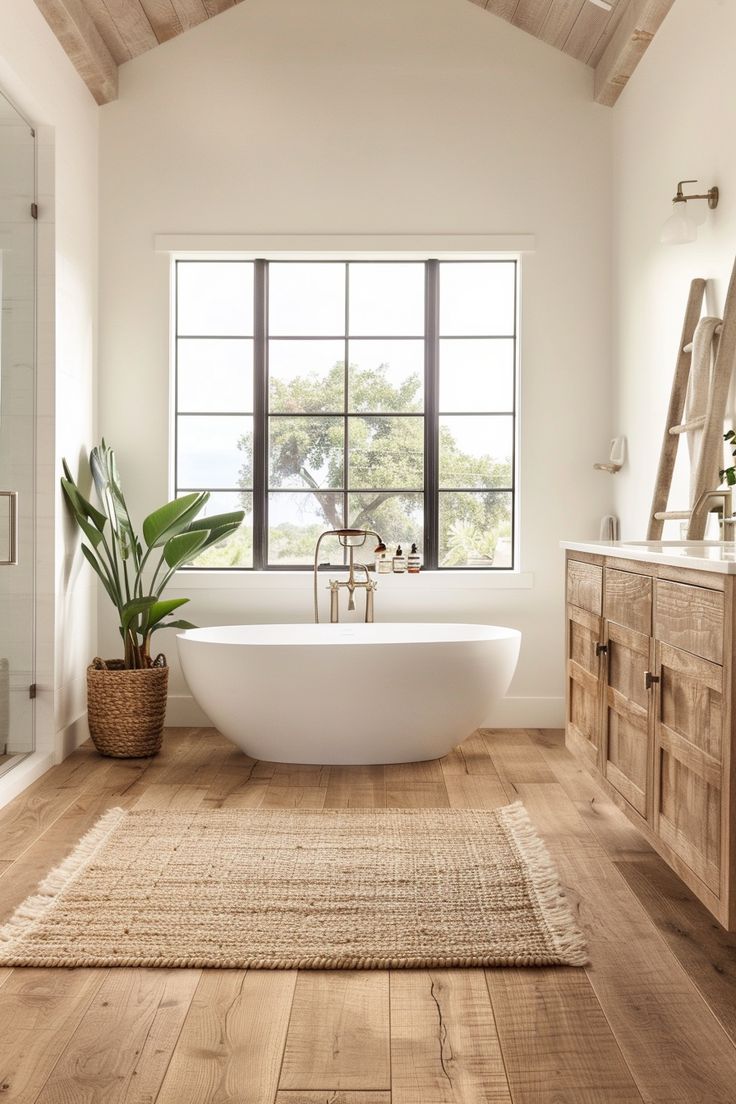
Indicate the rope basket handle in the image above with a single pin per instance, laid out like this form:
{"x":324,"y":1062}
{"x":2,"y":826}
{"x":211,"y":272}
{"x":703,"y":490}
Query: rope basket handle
{"x":100,"y":665}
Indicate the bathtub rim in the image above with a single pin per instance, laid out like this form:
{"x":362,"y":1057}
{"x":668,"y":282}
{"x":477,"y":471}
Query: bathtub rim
{"x":350,"y":634}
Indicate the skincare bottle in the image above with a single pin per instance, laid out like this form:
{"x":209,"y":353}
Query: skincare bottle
{"x":383,"y":561}
{"x":414,"y":561}
{"x":399,"y":562}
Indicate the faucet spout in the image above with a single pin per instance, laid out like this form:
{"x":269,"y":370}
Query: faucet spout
{"x":345,"y":536}
{"x":722,"y":505}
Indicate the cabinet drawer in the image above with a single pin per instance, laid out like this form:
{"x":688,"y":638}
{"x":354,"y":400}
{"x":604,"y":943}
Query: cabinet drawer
{"x":689,"y":618}
{"x":585,"y":585}
{"x":628,"y":600}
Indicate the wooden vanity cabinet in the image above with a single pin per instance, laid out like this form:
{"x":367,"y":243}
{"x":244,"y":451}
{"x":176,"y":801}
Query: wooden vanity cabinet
{"x":650,"y":709}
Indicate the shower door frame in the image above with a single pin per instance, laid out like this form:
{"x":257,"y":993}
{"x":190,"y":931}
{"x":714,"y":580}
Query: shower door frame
{"x":21,"y":768}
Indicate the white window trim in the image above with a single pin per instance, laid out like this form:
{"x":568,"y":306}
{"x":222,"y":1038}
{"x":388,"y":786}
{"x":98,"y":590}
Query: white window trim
{"x":351,"y":247}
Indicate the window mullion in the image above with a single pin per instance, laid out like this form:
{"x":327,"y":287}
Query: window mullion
{"x":431,"y":416}
{"x":260,"y":416}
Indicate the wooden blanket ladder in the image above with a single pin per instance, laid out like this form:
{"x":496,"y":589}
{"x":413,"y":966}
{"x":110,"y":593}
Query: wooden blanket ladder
{"x":710,"y":456}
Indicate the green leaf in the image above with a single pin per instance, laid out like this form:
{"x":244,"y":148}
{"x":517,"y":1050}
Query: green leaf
{"x":182,"y":547}
{"x":81,"y":508}
{"x":134,"y":609}
{"x":217,"y":521}
{"x":95,"y":564}
{"x":218,"y":535}
{"x":173,"y":518}
{"x":107,"y":483}
{"x":162,"y":609}
{"x":220,"y":526}
{"x":93,"y":535}
{"x":173,"y":625}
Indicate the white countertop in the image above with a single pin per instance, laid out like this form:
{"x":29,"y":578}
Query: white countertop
{"x":701,"y":555}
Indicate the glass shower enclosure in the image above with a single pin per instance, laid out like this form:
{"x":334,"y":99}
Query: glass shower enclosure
{"x":17,"y":433}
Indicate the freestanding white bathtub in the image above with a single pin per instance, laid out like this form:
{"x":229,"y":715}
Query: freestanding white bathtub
{"x":348,"y":693}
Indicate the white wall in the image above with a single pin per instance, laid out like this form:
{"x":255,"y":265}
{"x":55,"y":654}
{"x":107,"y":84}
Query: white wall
{"x":676,"y":119}
{"x":36,"y":74}
{"x":426,"y":116}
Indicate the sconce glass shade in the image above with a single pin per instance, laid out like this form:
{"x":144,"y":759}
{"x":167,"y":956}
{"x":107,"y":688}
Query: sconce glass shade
{"x":680,"y":227}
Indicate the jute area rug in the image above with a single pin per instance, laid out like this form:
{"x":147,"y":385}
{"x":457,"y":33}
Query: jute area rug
{"x":286,"y":889}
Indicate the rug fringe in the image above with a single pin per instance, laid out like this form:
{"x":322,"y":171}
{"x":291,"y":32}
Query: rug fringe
{"x":558,"y":916}
{"x":35,"y":907}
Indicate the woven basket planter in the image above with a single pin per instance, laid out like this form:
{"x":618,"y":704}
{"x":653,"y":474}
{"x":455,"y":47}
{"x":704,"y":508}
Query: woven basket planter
{"x":126,"y":709}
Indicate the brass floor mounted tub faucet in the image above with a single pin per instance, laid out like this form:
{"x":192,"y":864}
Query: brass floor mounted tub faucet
{"x":351,"y":584}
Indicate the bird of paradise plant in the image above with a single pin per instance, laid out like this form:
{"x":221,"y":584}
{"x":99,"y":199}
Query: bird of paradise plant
{"x":135,"y":572}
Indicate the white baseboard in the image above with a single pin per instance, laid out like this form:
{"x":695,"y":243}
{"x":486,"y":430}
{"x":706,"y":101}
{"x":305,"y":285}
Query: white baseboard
{"x":22,"y":774}
{"x":528,"y":713}
{"x":70,"y":738}
{"x":183,"y":712}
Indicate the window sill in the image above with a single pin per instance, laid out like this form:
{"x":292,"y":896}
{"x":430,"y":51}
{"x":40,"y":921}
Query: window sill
{"x":302,"y":580}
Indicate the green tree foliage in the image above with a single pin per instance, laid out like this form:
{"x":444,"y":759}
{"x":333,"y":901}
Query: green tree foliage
{"x":385,"y":457}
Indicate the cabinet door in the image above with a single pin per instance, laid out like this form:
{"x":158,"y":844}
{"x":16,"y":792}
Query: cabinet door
{"x":688,"y":759}
{"x":584,"y":659}
{"x":627,"y":717}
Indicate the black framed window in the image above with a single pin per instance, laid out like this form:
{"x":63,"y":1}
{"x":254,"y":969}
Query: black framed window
{"x":374,"y":394}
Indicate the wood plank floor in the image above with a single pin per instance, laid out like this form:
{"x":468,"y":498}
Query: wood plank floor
{"x":652,"y":1019}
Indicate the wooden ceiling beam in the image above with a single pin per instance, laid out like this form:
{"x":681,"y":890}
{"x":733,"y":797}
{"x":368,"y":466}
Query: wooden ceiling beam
{"x":98,"y":35}
{"x":190,"y":12}
{"x":163,"y":19}
{"x":637,"y":26}
{"x":597,"y":51}
{"x":586,"y":31}
{"x":132,"y":23}
{"x":560,"y":21}
{"x":110,"y":34}
{"x":214,"y":7}
{"x":531,"y":15}
{"x":73,"y":26}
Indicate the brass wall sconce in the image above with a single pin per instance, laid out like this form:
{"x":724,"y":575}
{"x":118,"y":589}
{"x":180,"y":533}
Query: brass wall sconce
{"x":682,"y":225}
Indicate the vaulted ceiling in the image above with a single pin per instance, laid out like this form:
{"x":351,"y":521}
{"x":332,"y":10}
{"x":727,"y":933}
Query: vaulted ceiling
{"x":610,"y":36}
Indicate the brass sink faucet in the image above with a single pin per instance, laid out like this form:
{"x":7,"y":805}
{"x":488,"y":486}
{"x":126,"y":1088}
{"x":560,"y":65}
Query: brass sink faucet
{"x":718,"y":502}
